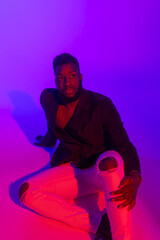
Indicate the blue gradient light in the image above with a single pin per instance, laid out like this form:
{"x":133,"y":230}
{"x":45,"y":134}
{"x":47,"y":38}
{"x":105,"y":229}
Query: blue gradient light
{"x":117,"y":45}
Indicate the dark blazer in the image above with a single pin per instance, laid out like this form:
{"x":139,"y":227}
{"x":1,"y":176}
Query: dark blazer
{"x":94,"y":128}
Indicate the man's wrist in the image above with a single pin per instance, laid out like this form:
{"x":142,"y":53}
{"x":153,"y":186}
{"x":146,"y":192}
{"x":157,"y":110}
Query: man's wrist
{"x":137,"y":175}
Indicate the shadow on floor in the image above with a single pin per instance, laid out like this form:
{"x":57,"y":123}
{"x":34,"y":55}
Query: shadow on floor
{"x":30,"y":118}
{"x":32,"y":122}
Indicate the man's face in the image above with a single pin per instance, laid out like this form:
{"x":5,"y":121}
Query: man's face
{"x":68,"y":79}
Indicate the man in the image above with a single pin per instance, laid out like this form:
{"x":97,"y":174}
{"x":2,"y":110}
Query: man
{"x":94,"y":154}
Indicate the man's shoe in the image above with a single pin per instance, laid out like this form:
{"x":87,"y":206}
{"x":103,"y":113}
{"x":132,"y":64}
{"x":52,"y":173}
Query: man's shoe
{"x":104,"y":229}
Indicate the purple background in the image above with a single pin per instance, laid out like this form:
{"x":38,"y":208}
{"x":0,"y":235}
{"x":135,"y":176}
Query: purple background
{"x":118,"y":46}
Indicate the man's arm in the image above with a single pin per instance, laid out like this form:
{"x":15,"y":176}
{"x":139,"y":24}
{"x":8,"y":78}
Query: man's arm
{"x":118,"y":138}
{"x":49,"y":139}
{"x":46,"y":141}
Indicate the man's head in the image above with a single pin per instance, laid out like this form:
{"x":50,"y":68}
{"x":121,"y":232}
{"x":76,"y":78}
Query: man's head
{"x":68,"y":77}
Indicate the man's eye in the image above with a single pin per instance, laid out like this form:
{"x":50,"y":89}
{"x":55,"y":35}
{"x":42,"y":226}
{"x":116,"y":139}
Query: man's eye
{"x":72,"y":75}
{"x":59,"y":78}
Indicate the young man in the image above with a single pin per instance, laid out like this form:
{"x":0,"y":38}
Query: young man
{"x":94,"y":154}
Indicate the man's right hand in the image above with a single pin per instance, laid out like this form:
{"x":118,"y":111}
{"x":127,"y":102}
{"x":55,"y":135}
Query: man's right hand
{"x":45,"y":141}
{"x":41,"y":141}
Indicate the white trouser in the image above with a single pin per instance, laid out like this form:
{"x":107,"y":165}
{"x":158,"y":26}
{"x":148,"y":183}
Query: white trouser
{"x":50,"y":192}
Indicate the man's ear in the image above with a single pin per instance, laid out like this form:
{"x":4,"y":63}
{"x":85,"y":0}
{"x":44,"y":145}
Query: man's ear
{"x":56,"y":82}
{"x":81,"y":76}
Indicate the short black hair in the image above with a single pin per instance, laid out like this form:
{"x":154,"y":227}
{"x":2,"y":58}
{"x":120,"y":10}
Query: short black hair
{"x":63,"y":59}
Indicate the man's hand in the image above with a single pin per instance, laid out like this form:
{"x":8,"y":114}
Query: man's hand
{"x":127,"y":192}
{"x":41,"y":141}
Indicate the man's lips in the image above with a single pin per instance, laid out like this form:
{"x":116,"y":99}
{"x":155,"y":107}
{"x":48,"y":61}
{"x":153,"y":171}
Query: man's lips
{"x":68,"y":90}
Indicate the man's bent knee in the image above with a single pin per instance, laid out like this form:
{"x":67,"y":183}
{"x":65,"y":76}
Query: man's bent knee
{"x":23,"y":188}
{"x":108,"y":163}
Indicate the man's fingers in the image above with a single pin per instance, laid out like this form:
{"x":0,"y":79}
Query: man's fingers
{"x":130,"y":207}
{"x":121,"y":198}
{"x":40,"y":144}
{"x":39,"y":138}
{"x":37,"y":143}
{"x":125,"y":189}
{"x":133,"y":203}
{"x":117,"y":192}
{"x":126,"y":203}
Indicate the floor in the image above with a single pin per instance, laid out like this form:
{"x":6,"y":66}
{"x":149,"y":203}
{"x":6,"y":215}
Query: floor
{"x":20,"y":158}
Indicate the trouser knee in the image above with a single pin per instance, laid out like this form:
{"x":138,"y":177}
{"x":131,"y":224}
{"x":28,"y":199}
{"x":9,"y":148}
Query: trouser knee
{"x":108,"y":163}
{"x":22,"y":190}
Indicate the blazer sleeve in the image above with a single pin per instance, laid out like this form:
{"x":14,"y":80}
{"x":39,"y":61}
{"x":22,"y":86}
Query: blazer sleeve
{"x":49,"y":138}
{"x":117,"y":136}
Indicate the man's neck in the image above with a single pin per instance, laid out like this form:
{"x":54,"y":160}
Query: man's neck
{"x":66,"y":100}
{"x":72,"y":104}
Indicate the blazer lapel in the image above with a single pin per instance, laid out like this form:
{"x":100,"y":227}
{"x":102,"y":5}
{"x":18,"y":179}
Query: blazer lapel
{"x":74,"y":129}
{"x":80,"y":117}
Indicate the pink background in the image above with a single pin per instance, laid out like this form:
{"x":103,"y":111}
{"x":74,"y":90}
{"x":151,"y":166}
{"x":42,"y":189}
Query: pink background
{"x":117,"y":45}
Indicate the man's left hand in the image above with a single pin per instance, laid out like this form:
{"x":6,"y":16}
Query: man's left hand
{"x":127,"y":192}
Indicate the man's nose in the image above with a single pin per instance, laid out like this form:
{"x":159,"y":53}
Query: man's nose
{"x":66,"y":81}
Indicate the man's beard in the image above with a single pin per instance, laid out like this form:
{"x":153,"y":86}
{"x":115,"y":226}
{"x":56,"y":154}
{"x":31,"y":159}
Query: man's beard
{"x":64,"y":100}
